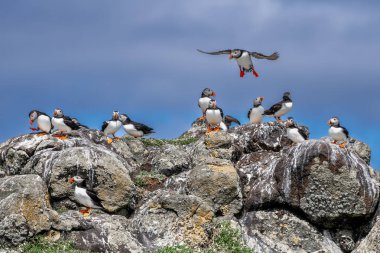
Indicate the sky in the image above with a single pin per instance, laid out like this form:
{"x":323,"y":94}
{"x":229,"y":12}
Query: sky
{"x":92,"y":57}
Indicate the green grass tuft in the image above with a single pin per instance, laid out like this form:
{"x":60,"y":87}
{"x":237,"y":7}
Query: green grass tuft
{"x":144,"y":178}
{"x":39,"y":245}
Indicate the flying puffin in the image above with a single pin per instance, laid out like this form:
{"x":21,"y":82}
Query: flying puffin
{"x":214,"y":116}
{"x":64,"y":124}
{"x":294,"y":132}
{"x":112,"y":126}
{"x":227,"y":122}
{"x":337,"y":132}
{"x":43,"y":122}
{"x":204,"y":101}
{"x":76,"y":121}
{"x":280,"y":108}
{"x":84,"y":196}
{"x":134,"y":129}
{"x":255,"y":114}
{"x":243,"y":58}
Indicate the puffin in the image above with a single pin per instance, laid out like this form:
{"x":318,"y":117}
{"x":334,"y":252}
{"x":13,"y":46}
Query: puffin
{"x":76,"y":121}
{"x":338,"y":132}
{"x":134,"y":129}
{"x":204,"y":101}
{"x":243,"y":58}
{"x":295,"y":133}
{"x":83,"y":196}
{"x":255,"y":114}
{"x":281,"y":108}
{"x":214,"y":116}
{"x":227,"y":122}
{"x":63,"y":123}
{"x":43,"y":122}
{"x":112,"y":126}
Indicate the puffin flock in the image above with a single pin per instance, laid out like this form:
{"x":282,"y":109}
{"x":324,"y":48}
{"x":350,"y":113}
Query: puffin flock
{"x":61,"y":126}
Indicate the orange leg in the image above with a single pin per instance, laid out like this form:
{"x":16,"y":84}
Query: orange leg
{"x":279,"y":120}
{"x":86,"y":212}
{"x":201,"y":118}
{"x":342,"y":145}
{"x":41,"y":134}
{"x":109,"y":140}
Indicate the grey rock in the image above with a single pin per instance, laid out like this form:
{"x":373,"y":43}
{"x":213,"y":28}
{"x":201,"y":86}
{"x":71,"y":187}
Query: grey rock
{"x":371,"y":243}
{"x":24,"y":208}
{"x":282,"y":232}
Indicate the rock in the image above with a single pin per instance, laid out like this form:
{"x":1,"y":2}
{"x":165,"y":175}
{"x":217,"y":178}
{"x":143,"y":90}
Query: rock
{"x":332,"y":186}
{"x":86,"y":154}
{"x":168,"y":218}
{"x":218,"y":185}
{"x":363,"y":150}
{"x":24,"y":208}
{"x":281,"y":231}
{"x":109,"y":233}
{"x":197,"y":130}
{"x":71,"y":220}
{"x":371,"y":243}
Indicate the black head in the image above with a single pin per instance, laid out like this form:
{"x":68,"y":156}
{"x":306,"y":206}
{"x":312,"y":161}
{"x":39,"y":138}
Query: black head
{"x":58,"y":113}
{"x":212,"y":104}
{"x":286,"y":96}
{"x":207,"y":92}
{"x":76,"y":180}
{"x":33,"y":115}
{"x":334,"y":121}
{"x":258,"y":101}
{"x":124,"y":118}
{"x":236,"y":53}
{"x":290,"y":122}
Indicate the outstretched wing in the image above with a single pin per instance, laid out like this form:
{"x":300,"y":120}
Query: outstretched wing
{"x":227,"y":51}
{"x":273,"y":56}
{"x":229,"y":119}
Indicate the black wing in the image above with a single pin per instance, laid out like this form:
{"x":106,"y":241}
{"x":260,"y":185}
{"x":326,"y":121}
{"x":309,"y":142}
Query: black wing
{"x":272,"y":57}
{"x":221,"y":112}
{"x":69,"y":122}
{"x":274,"y":108}
{"x":249,"y":113}
{"x":142,"y":127}
{"x":229,"y":119}
{"x":345,"y":131}
{"x":93,"y":196}
{"x":104,"y":125}
{"x":227,"y":51}
{"x":303,"y":132}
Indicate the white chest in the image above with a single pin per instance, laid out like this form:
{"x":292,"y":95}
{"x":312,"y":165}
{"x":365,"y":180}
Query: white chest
{"x":245,"y":61}
{"x":256,"y":115}
{"x":213,"y":117}
{"x":203,"y":103}
{"x":44,"y":123}
{"x":294,"y":135}
{"x":337,"y":134}
{"x":82,"y":197}
{"x":59,"y":124}
{"x":286,"y":107}
{"x":112,"y":127}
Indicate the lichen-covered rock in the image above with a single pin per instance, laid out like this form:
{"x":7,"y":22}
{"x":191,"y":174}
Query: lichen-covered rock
{"x":332,"y":186}
{"x":281,"y":231}
{"x":371,"y":243}
{"x":168,"y":218}
{"x":24,"y":208}
{"x":109,"y":233}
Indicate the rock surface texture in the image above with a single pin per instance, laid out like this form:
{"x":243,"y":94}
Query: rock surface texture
{"x":310,"y":197}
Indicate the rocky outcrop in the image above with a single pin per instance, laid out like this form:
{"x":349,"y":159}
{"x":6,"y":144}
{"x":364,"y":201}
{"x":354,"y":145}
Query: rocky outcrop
{"x":24,"y":208}
{"x":310,"y":197}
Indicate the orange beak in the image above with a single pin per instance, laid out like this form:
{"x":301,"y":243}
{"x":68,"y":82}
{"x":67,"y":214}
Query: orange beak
{"x":329,"y":122}
{"x":213,"y":94}
{"x":230,"y":57}
{"x":55,"y":114}
{"x":71,"y":180}
{"x":30,"y":121}
{"x":262,"y":99}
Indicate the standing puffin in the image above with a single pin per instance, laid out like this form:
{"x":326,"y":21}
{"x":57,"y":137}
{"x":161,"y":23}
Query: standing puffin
{"x":63,"y":123}
{"x":295,"y":133}
{"x":84,"y":196}
{"x":243,"y":58}
{"x":112,"y":126}
{"x":43,"y":122}
{"x":255,"y":114}
{"x":227,"y":122}
{"x":134,"y":129}
{"x":337,"y":132}
{"x":204,"y":100}
{"x":214,"y":116}
{"x":280,"y":108}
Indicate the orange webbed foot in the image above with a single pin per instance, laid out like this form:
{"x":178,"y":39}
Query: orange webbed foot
{"x":116,"y":138}
{"x":342,"y":145}
{"x":41,"y":134}
{"x":109,"y":140}
{"x":201,"y":118}
{"x":64,"y":137}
